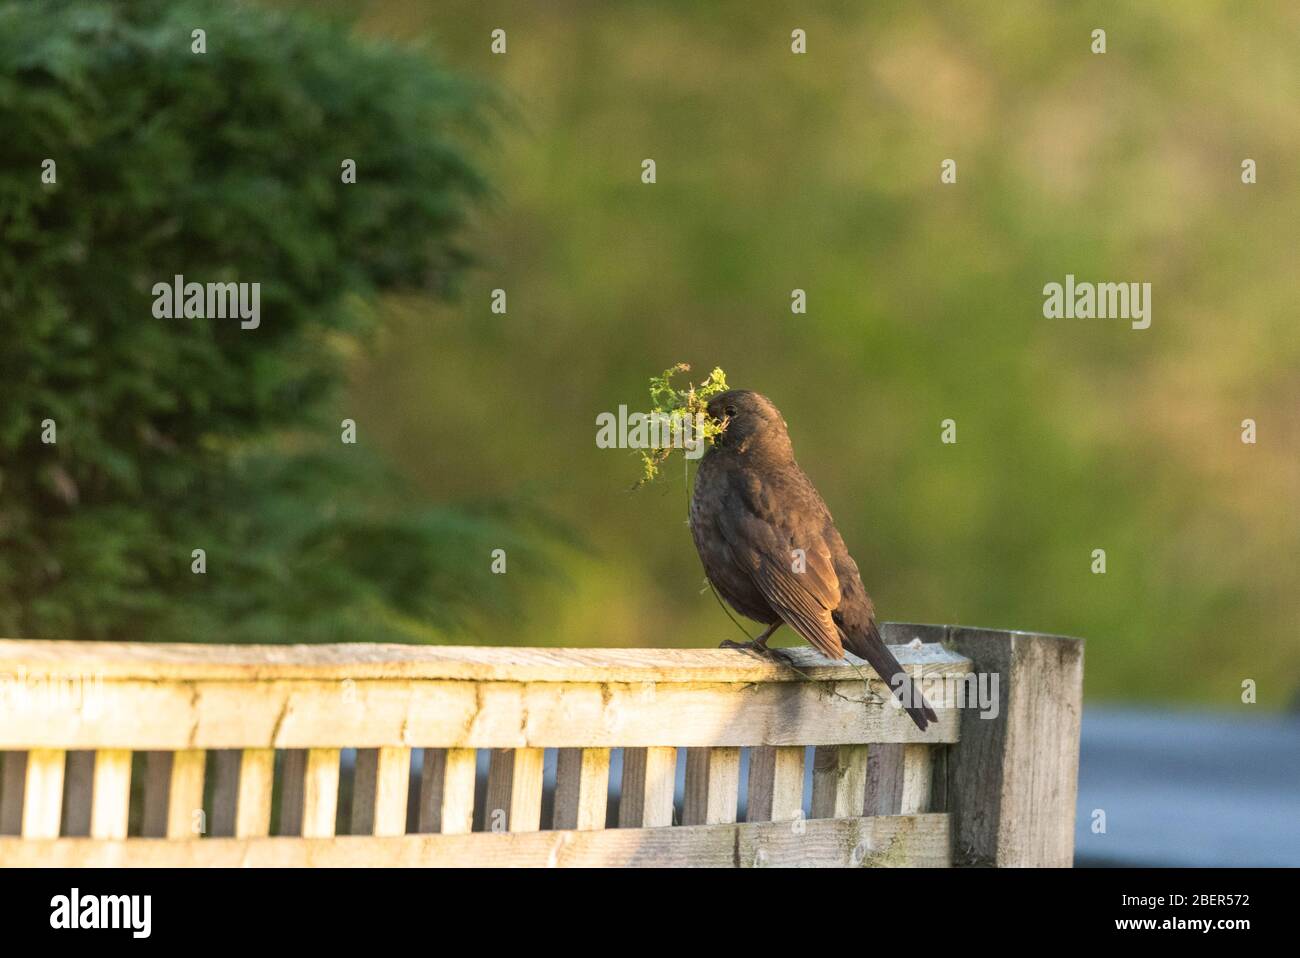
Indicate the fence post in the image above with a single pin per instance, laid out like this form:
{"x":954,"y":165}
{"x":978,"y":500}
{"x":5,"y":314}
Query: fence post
{"x":1013,"y":777}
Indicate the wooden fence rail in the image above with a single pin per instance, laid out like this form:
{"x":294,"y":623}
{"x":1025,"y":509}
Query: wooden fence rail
{"x":149,"y":754}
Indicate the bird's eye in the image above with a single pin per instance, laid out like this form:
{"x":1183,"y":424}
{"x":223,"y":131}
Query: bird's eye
{"x":729,"y":410}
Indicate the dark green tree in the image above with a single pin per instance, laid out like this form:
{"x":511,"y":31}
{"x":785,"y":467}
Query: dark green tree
{"x":182,"y":434}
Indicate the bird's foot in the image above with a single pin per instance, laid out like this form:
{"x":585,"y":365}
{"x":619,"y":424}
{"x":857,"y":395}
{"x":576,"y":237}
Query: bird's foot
{"x":758,"y":647}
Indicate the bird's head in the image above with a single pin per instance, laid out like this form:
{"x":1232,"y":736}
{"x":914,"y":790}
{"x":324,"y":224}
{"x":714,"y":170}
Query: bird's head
{"x":750,"y":422}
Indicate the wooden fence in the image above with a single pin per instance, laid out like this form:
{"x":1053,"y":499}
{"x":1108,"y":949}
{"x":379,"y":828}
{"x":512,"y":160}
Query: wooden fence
{"x":147,"y":754}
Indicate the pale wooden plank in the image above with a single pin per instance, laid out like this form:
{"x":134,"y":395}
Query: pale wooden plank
{"x":379,"y":792}
{"x":1013,"y":779}
{"x":712,"y":786}
{"x":460,"y":766}
{"x":43,"y":793}
{"x":839,"y":781}
{"x":186,"y":662}
{"x":392,"y":791}
{"x":320,"y":792}
{"x":256,"y":779}
{"x":111,"y":793}
{"x":444,"y":714}
{"x":514,"y":790}
{"x":917,"y":840}
{"x":649,"y":780}
{"x":13,"y":780}
{"x":884,"y":779}
{"x":917,"y":771}
{"x":185,"y":815}
{"x":775,"y":784}
{"x":78,"y":786}
{"x":581,"y":788}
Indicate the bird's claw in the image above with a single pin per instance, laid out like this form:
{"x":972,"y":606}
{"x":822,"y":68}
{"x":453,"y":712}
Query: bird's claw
{"x":758,"y":649}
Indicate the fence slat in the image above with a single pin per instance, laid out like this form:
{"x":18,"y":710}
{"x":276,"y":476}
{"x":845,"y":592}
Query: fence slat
{"x":78,"y":786}
{"x":173,"y":794}
{"x":459,"y":770}
{"x":447,"y":790}
{"x":13,"y":778}
{"x":884,"y":779}
{"x":917,"y":770}
{"x":839,"y":781}
{"x":320,"y":798}
{"x":581,"y":788}
{"x":111,"y":793}
{"x":649,"y":779}
{"x":514,"y":790}
{"x":185,"y":815}
{"x":379,"y":791}
{"x":256,"y":778}
{"x":43,"y":793}
{"x":775,"y":783}
{"x":712,"y":786}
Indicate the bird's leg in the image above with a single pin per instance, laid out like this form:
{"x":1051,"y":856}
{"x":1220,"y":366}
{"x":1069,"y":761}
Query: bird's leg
{"x":758,"y":646}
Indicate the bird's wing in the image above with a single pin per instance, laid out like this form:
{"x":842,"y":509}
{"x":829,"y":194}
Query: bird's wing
{"x":765,"y":549}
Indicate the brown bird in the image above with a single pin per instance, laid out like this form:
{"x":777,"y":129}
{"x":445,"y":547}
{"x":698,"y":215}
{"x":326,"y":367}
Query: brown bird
{"x":770,"y":547}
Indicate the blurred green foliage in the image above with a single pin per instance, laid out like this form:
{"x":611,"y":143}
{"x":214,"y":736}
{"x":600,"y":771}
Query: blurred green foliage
{"x":183,"y":434}
{"x":821,"y":172}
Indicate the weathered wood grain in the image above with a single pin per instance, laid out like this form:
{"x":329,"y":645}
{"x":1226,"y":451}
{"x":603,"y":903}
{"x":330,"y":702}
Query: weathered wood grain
{"x":839,"y":781}
{"x":775,"y":784}
{"x":514,"y":790}
{"x":1009,"y":780}
{"x":445,"y":714}
{"x":379,"y":791}
{"x":581,"y":788}
{"x":916,"y":840}
{"x":1013,"y":779}
{"x":186,"y":662}
{"x":649,"y":780}
{"x":899,"y":779}
{"x":712,"y":786}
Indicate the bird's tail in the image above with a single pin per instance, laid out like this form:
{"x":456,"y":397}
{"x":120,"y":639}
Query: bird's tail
{"x":869,"y":645}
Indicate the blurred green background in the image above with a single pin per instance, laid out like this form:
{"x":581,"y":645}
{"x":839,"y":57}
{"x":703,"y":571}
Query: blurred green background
{"x":821,"y":172}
